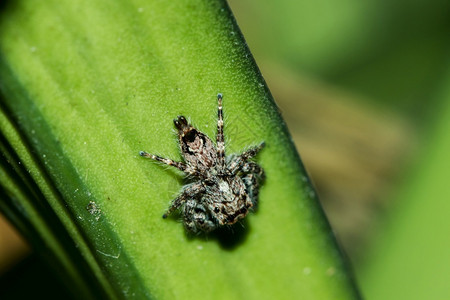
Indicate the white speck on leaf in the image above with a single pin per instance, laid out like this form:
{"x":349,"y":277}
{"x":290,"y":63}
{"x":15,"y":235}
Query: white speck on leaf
{"x":110,"y":255}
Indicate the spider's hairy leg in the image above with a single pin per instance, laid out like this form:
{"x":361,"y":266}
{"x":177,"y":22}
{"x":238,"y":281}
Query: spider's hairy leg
{"x":254,"y":174}
{"x":188,"y":192}
{"x":251,"y":167}
{"x":219,"y":138}
{"x":179,"y":165}
{"x":238,"y":162}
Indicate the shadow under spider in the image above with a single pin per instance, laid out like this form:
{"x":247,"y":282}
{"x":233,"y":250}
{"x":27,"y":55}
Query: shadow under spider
{"x":228,"y":237}
{"x":231,"y":237}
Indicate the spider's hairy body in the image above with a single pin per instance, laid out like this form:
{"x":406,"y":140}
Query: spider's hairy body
{"x":224,"y":189}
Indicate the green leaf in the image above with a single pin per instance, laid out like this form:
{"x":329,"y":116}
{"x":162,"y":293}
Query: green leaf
{"x":86,"y":85}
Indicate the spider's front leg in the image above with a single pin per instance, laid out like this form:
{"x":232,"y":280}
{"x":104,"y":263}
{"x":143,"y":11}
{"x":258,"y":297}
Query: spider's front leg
{"x":237,"y":163}
{"x":179,"y":165}
{"x":219,"y":137}
{"x":188,"y":192}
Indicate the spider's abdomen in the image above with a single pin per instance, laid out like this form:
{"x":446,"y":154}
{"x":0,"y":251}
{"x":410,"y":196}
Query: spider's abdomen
{"x":228,"y":201}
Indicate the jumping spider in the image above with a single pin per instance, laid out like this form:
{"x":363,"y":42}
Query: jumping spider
{"x":224,"y":188}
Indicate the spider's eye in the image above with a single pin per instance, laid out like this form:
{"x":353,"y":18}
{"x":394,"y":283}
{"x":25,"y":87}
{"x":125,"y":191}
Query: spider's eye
{"x":216,"y":209}
{"x":180,"y":122}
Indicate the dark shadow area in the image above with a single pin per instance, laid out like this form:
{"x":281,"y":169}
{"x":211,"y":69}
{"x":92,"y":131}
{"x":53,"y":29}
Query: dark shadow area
{"x":6,"y":4}
{"x":32,"y":279}
{"x":231,"y":237}
{"x":228,"y":237}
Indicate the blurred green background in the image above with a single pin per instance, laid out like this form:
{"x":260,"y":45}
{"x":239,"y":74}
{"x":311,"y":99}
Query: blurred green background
{"x":364,"y":87}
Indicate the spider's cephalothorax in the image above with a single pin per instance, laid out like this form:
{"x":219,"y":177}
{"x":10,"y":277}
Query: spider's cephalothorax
{"x":223,"y":189}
